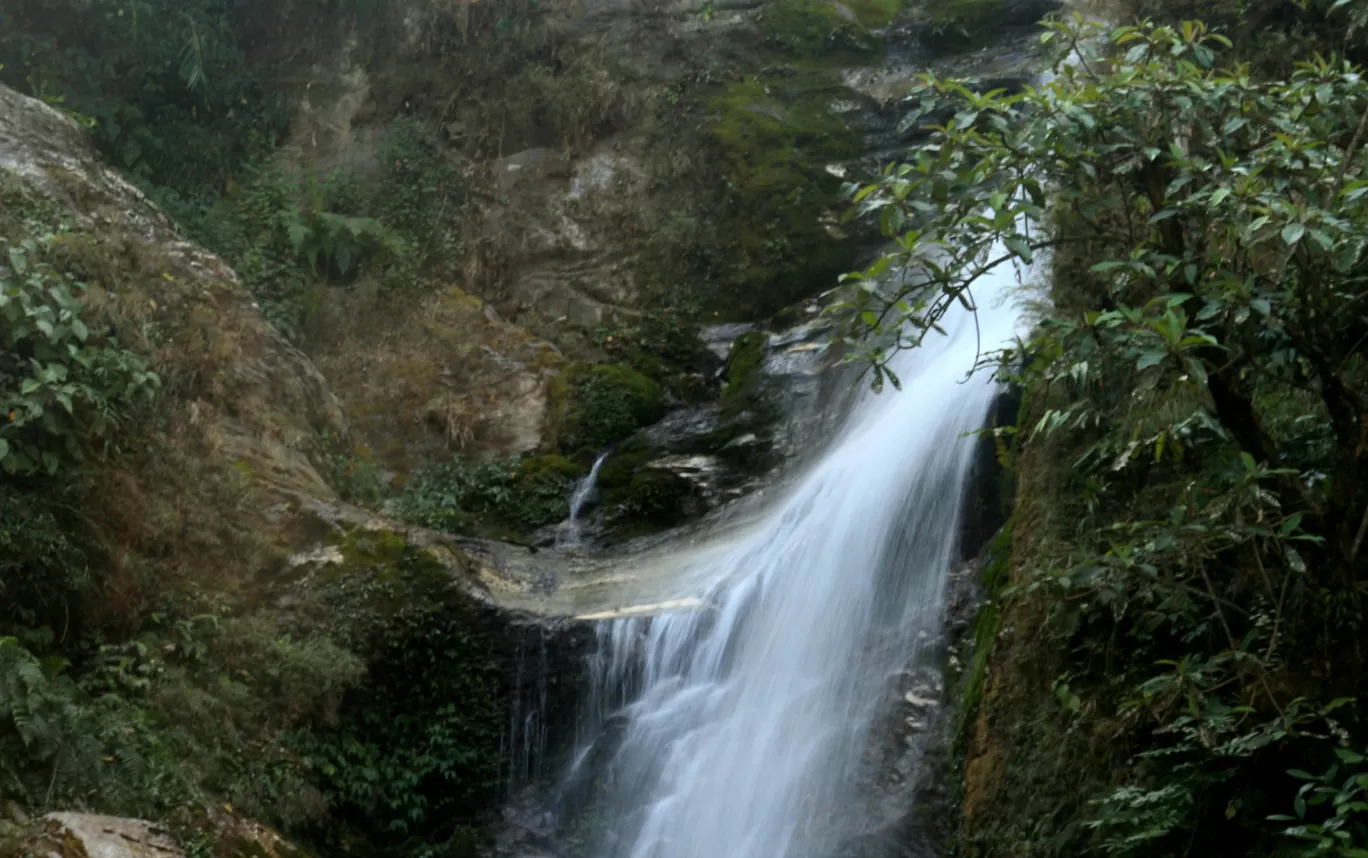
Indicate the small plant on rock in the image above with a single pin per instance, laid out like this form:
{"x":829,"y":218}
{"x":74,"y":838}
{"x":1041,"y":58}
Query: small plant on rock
{"x":63,"y":390}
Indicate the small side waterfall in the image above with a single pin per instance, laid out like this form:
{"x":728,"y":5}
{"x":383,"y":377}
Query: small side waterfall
{"x":742,"y":723}
{"x":584,"y":490}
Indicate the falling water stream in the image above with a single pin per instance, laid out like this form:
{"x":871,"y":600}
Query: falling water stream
{"x":584,"y":490}
{"x":745,"y":720}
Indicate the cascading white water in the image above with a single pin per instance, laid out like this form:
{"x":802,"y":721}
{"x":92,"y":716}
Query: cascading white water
{"x":584,"y":489}
{"x":745,"y":720}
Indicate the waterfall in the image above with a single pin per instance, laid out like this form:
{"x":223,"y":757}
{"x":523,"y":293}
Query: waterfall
{"x":742,"y":723}
{"x":584,"y":489}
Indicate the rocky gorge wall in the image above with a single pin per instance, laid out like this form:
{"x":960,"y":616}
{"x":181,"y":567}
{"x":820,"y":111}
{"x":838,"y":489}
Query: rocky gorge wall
{"x":633,"y":211}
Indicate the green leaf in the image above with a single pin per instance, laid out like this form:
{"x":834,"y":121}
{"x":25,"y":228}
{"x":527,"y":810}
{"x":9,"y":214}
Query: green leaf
{"x":1018,"y":245}
{"x":18,"y":260}
{"x":1292,"y":233}
{"x":1352,"y":758}
{"x":1150,"y":358}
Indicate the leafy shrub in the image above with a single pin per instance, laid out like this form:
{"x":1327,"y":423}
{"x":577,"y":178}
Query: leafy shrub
{"x":355,"y":476}
{"x":1195,"y":395}
{"x":517,"y":491}
{"x":44,"y":567}
{"x":162,"y":719}
{"x":336,"y":240}
{"x":416,"y":749}
{"x":63,"y":391}
{"x":418,"y":192}
{"x":41,"y":727}
{"x":285,"y":243}
{"x":59,"y":744}
{"x":1342,"y":826}
{"x":164,"y":85}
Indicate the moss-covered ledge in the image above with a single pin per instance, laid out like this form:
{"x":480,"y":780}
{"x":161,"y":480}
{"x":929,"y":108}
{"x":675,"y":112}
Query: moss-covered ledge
{"x":452,"y":677}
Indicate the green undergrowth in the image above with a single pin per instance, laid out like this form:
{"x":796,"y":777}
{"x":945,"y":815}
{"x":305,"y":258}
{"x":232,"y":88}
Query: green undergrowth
{"x":288,"y":717}
{"x":167,"y":88}
{"x":502,"y":497}
{"x":146,"y":725}
{"x":295,"y":238}
{"x":413,"y":754}
{"x":366,"y":716}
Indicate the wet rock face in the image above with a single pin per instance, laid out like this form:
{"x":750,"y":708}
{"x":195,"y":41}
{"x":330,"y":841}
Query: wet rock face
{"x":782,"y":392}
{"x":904,"y":808}
{"x":988,"y":501}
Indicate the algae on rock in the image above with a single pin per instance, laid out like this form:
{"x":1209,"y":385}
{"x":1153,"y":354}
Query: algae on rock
{"x":599,"y":404}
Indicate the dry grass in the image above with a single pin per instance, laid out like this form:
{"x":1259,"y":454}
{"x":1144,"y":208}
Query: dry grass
{"x":432,"y":375}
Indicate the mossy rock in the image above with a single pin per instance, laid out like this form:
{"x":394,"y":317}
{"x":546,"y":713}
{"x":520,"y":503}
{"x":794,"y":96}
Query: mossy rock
{"x":597,"y":405}
{"x":777,"y":134}
{"x":825,"y":29}
{"x":959,"y":25}
{"x":552,"y":466}
{"x":619,"y":468}
{"x":658,"y":497}
{"x":744,"y":374}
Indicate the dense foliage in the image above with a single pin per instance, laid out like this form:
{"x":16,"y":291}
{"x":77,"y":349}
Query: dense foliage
{"x":1196,"y":422}
{"x":163,"y":84}
{"x":415,"y":752}
{"x":62,"y":391}
{"x":515,"y":492}
{"x":65,"y":390}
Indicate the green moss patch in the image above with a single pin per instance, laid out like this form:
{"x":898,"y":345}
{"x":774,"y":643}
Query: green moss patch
{"x":776,"y":135}
{"x":959,"y":25}
{"x":743,"y":374}
{"x":658,"y":498}
{"x":501,"y":499}
{"x":823,"y":29}
{"x":596,"y":405}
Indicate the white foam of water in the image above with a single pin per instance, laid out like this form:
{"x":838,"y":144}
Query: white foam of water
{"x":746,"y":719}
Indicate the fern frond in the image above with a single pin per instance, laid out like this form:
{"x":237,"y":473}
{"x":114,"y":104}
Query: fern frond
{"x":192,"y":61}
